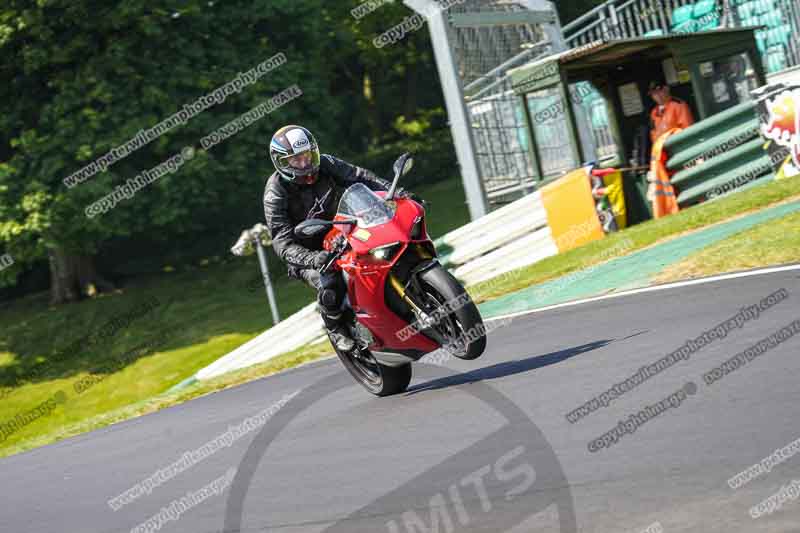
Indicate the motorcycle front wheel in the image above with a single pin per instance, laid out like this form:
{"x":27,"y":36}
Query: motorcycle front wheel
{"x":461,"y":331}
{"x":377,"y":378}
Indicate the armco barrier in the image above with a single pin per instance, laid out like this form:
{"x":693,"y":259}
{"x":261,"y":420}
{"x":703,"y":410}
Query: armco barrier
{"x":715,"y":140}
{"x":744,"y":163}
{"x":707,"y":131}
{"x":303,"y":328}
{"x":501,"y":226}
{"x":716,"y":153}
{"x":522,"y":252}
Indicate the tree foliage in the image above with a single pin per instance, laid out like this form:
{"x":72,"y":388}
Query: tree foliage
{"x":85,"y":76}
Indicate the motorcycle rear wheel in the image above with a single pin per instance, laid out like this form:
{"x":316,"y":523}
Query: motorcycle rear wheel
{"x":377,"y":378}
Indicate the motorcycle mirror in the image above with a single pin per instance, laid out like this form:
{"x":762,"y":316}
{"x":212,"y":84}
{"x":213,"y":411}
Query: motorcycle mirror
{"x":401,"y":167}
{"x":403,"y":164}
{"x":312,"y":227}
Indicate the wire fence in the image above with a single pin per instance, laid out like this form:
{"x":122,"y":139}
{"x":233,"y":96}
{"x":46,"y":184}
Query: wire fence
{"x":484,"y":53}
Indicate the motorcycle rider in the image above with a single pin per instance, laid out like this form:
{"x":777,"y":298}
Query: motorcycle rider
{"x":306,"y":185}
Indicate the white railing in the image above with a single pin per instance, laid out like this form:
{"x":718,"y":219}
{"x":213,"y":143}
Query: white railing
{"x":303,"y":328}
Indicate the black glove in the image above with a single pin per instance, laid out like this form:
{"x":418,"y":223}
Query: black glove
{"x":323,"y":258}
{"x":402,"y":193}
{"x":340,"y":242}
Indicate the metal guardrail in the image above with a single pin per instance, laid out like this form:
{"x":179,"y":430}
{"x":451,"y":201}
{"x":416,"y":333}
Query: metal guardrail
{"x":303,"y":328}
{"x":526,"y":250}
{"x":495,"y":230}
{"x":715,"y":153}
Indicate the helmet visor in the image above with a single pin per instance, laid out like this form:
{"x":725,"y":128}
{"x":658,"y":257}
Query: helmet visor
{"x":299,"y":164}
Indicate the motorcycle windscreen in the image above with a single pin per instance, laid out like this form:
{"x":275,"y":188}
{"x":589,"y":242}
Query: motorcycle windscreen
{"x":359,"y":202}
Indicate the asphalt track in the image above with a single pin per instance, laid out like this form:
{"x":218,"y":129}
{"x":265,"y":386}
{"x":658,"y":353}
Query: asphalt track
{"x":481,"y":445}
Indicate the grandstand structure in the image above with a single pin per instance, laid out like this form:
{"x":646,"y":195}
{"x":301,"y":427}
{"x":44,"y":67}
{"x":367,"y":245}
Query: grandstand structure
{"x":778,"y":36}
{"x":478,"y":42}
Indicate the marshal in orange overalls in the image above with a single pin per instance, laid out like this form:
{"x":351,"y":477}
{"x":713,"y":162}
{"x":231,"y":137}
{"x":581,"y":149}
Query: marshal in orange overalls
{"x":675,"y":113}
{"x":665,"y":201}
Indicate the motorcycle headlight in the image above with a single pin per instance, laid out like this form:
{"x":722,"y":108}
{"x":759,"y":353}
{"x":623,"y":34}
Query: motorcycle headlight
{"x":385,"y":252}
{"x":417,"y":232}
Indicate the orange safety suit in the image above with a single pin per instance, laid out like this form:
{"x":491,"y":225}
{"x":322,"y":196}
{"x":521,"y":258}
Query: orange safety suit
{"x":674,"y":114}
{"x":665,"y":201}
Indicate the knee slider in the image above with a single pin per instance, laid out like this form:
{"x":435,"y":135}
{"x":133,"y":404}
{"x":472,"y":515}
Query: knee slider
{"x":328,"y":299}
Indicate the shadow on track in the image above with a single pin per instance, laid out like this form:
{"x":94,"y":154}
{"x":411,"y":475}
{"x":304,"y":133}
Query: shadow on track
{"x":508,"y":368}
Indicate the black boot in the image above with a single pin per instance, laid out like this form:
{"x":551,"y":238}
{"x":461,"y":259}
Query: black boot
{"x":338,"y":333}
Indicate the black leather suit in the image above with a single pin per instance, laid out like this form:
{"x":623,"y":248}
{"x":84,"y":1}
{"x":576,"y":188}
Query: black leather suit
{"x":287,"y":204}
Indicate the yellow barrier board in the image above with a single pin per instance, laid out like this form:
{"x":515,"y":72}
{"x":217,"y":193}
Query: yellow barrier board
{"x":570,"y":211}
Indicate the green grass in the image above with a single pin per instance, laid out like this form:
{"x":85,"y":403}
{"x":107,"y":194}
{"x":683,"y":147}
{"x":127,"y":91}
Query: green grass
{"x":640,"y":236}
{"x":773,"y":243}
{"x":204,"y":312}
{"x":153,"y":403}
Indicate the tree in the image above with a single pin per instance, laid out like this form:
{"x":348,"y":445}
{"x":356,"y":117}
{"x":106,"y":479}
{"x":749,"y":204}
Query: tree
{"x":86,"y":76}
{"x":380,"y":84}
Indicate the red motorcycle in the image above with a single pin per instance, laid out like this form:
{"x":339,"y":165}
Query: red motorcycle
{"x":401,"y":303}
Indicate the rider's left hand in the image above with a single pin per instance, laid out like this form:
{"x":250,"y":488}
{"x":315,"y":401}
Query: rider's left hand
{"x":339,"y":242}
